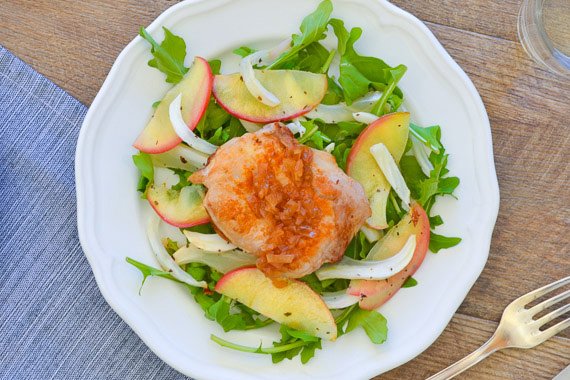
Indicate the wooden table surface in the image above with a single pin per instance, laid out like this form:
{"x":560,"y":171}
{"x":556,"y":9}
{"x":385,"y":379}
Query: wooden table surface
{"x":74,"y":43}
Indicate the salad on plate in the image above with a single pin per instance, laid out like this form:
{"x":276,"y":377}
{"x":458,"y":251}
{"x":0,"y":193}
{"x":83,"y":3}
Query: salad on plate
{"x":296,"y":191}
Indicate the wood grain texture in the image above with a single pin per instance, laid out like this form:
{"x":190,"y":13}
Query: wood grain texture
{"x":75,"y":43}
{"x":464,"y":335}
{"x":497,"y":18}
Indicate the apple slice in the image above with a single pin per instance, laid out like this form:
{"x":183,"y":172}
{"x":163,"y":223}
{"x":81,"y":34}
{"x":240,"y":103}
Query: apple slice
{"x":298,"y":92}
{"x":196,"y":87}
{"x":179,"y":208}
{"x":378,"y":203}
{"x":296,"y":305}
{"x":374,"y":294}
{"x":390,"y":130}
{"x":180,"y":157}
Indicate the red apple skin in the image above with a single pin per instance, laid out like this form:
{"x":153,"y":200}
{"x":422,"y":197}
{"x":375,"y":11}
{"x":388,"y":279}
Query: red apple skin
{"x":295,"y":305}
{"x":196,"y":87}
{"x":221,"y":284}
{"x":261,"y":120}
{"x":172,"y":218}
{"x":391,"y":130}
{"x":375,"y":293}
{"x":308,"y":91}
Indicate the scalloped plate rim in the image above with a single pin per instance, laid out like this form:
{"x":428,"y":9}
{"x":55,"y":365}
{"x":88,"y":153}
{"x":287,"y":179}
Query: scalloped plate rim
{"x":141,"y":325}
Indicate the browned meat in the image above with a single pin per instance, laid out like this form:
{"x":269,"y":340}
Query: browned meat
{"x":288,"y":204}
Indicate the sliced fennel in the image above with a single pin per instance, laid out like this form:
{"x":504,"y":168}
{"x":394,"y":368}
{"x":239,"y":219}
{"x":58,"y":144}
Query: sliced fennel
{"x":329,"y":148}
{"x":419,"y":151}
{"x":339,"y":300}
{"x":253,"y":85}
{"x":378,"y":203}
{"x":249,"y":126}
{"x":261,"y":58}
{"x":390,"y":170}
{"x":180,"y":157}
{"x":222,"y":262}
{"x":365,"y":117}
{"x":184,"y":132}
{"x":164,"y":259}
{"x":209,"y":242}
{"x":370,"y":269}
{"x":341,"y":112}
{"x":296,"y":127}
{"x":371,"y":234}
{"x":415,"y":131}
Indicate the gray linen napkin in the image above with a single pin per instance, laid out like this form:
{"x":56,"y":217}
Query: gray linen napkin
{"x":54,"y":323}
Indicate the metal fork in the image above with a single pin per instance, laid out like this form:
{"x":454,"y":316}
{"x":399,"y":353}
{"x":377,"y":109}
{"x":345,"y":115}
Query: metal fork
{"x":517,"y":327}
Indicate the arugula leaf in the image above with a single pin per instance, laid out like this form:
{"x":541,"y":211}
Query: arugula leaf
{"x":313,"y":282}
{"x":148,"y":271}
{"x":425,"y":189}
{"x":313,"y":137}
{"x":182,"y":179}
{"x":396,"y":74}
{"x":314,"y":58}
{"x":244,"y":51}
{"x":143,"y":162}
{"x":215,"y":66}
{"x":340,"y":153}
{"x":327,"y":64}
{"x":202,"y":228}
{"x":436,"y":184}
{"x":217,"y":126}
{"x":438,"y":242}
{"x":410,"y":282}
{"x":435,"y":221}
{"x":334,"y":93}
{"x":197,"y":271}
{"x":214,"y":117}
{"x":170,"y":245}
{"x":312,"y":29}
{"x":168,"y":56}
{"x":343,"y":317}
{"x":430,"y":136}
{"x":343,"y":130}
{"x":291,"y":344}
{"x":373,"y":323}
{"x":358,"y":247}
{"x":354,"y":83}
{"x":358,"y":73}
{"x":289,"y":337}
{"x":413,"y":174}
{"x":341,"y":33}
{"x":220,"y":312}
{"x":330,"y":285}
{"x":216,"y":307}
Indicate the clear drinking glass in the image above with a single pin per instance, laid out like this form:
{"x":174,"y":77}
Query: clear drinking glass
{"x":544,"y":32}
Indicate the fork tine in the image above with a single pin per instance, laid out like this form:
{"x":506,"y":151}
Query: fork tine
{"x":549,"y":302}
{"x":551,"y":331}
{"x":529,"y":297}
{"x":554,"y":314}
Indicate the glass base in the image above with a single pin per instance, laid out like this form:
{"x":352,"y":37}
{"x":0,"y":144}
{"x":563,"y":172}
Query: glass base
{"x":535,"y":41}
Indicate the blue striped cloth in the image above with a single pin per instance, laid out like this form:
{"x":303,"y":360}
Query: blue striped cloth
{"x":54,"y":323}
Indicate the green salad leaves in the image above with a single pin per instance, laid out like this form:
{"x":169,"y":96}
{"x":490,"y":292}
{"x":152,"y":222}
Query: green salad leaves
{"x":357,"y":76}
{"x":312,"y":30}
{"x":168,"y":56}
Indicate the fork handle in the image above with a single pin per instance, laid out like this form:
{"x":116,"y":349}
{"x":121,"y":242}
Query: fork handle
{"x":492,"y":345}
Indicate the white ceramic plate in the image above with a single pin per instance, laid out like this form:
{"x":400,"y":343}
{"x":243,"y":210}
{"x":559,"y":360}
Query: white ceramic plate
{"x":111,"y":215}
